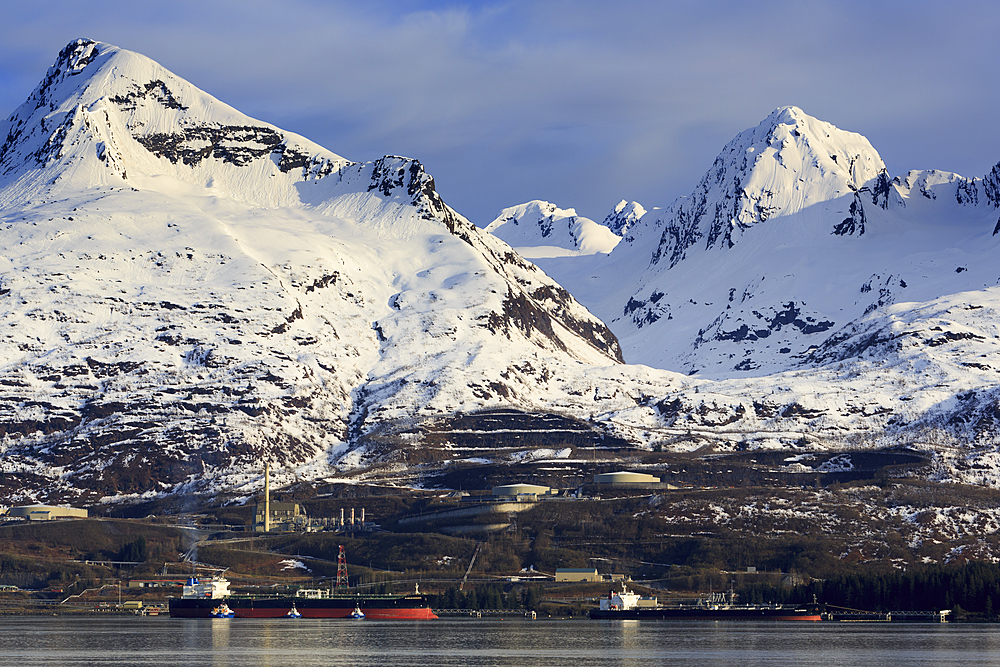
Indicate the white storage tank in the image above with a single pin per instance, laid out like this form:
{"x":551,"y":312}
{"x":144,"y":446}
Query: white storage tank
{"x":520,"y":490}
{"x":625,"y":478}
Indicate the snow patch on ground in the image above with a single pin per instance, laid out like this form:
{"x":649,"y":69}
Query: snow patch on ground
{"x":292,"y":564}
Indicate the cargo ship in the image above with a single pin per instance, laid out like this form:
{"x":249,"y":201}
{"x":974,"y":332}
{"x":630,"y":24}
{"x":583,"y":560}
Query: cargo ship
{"x":201,"y":597}
{"x":717,"y":607}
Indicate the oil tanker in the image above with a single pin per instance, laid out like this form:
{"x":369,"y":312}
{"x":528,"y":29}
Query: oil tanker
{"x":201,"y":598}
{"x":629,"y":606}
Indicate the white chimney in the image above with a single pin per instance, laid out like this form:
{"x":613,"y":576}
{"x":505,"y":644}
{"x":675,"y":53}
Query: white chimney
{"x":267,"y":497}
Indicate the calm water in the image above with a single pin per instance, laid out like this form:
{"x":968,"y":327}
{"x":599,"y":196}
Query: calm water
{"x":30,"y":641}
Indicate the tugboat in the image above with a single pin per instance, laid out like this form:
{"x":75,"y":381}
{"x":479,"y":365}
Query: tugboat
{"x":293,"y":612}
{"x":718,"y":606}
{"x":357,"y":613}
{"x":222,"y":611}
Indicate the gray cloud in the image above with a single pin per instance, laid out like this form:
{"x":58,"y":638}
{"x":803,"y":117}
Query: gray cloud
{"x":576,"y":102}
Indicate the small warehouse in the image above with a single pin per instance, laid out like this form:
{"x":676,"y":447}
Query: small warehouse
{"x":577,"y":574}
{"x":46,"y":512}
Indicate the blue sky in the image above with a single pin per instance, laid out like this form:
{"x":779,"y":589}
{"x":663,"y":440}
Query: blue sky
{"x":576,"y":102}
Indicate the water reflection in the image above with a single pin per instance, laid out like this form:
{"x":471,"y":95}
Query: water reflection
{"x":481,"y":643}
{"x":220,"y":641}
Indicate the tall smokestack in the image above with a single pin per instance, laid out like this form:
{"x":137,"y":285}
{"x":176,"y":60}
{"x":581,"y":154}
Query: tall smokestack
{"x":352,"y":516}
{"x":342,"y":517}
{"x":267,"y":497}
{"x":362,"y":516}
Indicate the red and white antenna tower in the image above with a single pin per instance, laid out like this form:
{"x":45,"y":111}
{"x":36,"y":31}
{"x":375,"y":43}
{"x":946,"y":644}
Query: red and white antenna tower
{"x":341,"y":568}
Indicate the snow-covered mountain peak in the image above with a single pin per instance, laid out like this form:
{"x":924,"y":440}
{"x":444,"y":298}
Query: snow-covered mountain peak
{"x":550,"y":231}
{"x":107,"y":116}
{"x":788,"y":163}
{"x":623,"y":216}
{"x":795,"y":236}
{"x":806,"y":145}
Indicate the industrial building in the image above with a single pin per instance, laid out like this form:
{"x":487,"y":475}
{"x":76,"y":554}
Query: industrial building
{"x":578,"y":574}
{"x":268,"y":516}
{"x":46,"y":513}
{"x":286,"y":517}
{"x":282,"y":517}
{"x":587,"y":574}
{"x":156,"y":583}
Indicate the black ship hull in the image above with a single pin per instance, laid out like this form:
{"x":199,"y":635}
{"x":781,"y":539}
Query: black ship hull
{"x":722,"y":613}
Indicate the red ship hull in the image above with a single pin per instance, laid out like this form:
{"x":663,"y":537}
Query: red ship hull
{"x":372,"y":614}
{"x":409,"y":607}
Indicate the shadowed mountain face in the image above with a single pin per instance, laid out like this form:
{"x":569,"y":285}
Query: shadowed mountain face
{"x":186,"y":291}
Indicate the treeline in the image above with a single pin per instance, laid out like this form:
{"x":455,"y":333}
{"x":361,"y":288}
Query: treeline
{"x":136,"y":551}
{"x":32,"y":574}
{"x":972,"y":587}
{"x":487,"y":596}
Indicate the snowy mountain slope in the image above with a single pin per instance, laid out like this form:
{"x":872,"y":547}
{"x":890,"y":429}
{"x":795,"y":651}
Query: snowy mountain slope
{"x":186,"y":291}
{"x":540,"y":229}
{"x":823,"y":298}
{"x":795,"y":234}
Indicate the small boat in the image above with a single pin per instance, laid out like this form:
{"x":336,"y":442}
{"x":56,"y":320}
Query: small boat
{"x":293,"y":612}
{"x":222,"y":611}
{"x":357,"y":613}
